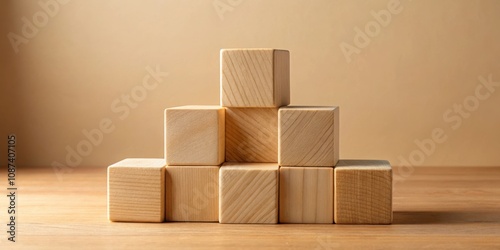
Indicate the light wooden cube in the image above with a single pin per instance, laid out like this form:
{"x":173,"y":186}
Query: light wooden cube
{"x":248,"y":193}
{"x":308,"y":136}
{"x":363,"y":192}
{"x":306,"y":195}
{"x":192,"y":193}
{"x":252,"y":135}
{"x":255,"y":77}
{"x":136,"y":190}
{"x":194,"y":135}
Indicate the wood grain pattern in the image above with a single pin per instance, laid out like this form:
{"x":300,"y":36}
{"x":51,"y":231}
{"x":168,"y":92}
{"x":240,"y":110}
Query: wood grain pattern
{"x":306,"y":195}
{"x":248,"y":193}
{"x":255,"y":77}
{"x":434,"y":208}
{"x":192,"y":193}
{"x":363,"y":192}
{"x":252,"y":135}
{"x":136,"y":190}
{"x":308,"y":136}
{"x":194,"y":135}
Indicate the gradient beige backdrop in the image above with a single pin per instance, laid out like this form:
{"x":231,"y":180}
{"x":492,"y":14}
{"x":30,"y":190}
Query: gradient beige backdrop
{"x":393,"y":90}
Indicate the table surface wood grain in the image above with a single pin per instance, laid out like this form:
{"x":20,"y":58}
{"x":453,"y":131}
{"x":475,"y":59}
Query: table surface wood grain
{"x":434,"y":208}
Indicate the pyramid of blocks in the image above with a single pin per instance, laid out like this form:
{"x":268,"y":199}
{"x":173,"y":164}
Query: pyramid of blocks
{"x":253,"y":159}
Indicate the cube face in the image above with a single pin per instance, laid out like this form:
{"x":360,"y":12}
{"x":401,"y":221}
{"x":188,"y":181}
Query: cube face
{"x":255,"y":78}
{"x":363,"y":192}
{"x":308,"y":136}
{"x":192,"y":193}
{"x":248,"y":193}
{"x":194,"y":135}
{"x":306,"y":195}
{"x":252,"y":135}
{"x":136,"y":190}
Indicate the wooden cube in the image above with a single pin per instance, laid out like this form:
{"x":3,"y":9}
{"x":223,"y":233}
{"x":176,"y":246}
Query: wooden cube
{"x":255,"y":78}
{"x":363,"y":192}
{"x":252,"y":135}
{"x":248,"y":193}
{"x":306,"y":195}
{"x":194,"y":135}
{"x":308,"y":136}
{"x":136,"y":190}
{"x":192,"y":193}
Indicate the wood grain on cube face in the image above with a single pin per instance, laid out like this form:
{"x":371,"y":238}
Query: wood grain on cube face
{"x":255,"y":78}
{"x":363,"y":192}
{"x":194,"y":135}
{"x":252,"y":135}
{"x":248,"y":193}
{"x":306,"y":195}
{"x":192,"y":193}
{"x":136,"y":190}
{"x":308,"y":136}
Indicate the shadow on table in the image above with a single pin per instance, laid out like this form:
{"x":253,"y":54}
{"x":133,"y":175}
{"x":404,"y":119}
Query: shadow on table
{"x":445,"y":217}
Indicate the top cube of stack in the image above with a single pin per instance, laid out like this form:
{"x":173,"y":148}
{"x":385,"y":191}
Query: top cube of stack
{"x":255,"y":78}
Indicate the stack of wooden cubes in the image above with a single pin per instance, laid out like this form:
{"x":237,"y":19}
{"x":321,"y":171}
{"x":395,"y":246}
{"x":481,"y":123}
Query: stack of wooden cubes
{"x":254,"y":159}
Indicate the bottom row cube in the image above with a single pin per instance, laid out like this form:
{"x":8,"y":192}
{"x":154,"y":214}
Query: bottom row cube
{"x":192,"y":193}
{"x":136,"y":190}
{"x":363,"y":192}
{"x":306,"y":195}
{"x":248,"y":193}
{"x":354,"y":192}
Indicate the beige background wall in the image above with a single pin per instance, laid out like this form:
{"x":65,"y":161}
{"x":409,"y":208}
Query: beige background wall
{"x":394,"y":91}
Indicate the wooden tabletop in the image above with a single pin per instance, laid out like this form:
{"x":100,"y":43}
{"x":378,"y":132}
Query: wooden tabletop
{"x":434,"y":208}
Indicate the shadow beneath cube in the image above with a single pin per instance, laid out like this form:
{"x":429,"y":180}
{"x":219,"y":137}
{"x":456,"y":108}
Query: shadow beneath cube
{"x":445,"y":217}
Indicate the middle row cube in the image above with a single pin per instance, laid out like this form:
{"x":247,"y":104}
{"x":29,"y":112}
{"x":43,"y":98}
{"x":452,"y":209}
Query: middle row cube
{"x":252,"y":135}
